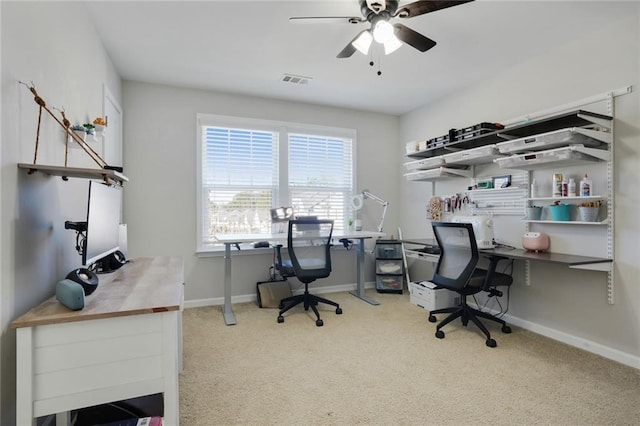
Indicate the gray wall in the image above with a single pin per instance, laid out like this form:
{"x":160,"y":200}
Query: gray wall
{"x":55,"y":46}
{"x":38,"y":42}
{"x":570,"y":305}
{"x":160,"y":161}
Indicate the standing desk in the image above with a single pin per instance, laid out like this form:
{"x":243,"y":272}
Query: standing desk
{"x":230,"y":240}
{"x":125,"y":342}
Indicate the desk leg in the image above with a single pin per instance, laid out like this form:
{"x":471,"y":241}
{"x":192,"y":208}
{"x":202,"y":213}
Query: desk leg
{"x":359,"y":293}
{"x":229,"y":318}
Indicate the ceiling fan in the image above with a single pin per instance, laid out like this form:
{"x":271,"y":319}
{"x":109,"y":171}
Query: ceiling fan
{"x":378,"y":13}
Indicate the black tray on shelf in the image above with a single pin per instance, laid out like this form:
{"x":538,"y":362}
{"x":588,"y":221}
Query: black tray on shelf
{"x":557,"y":122}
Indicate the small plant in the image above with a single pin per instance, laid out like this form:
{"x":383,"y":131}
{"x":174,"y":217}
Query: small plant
{"x":99,"y":121}
{"x":597,"y":203}
{"x":89,"y":128}
{"x":78,"y":128}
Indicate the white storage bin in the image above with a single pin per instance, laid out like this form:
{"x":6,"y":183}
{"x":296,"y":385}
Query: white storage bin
{"x":566,"y":156}
{"x":425,"y":295}
{"x":412,"y":147}
{"x":546,"y":141}
{"x":480,"y":155}
{"x":425,"y":163}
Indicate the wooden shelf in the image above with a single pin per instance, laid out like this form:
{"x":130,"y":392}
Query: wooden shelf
{"x":76,"y":172}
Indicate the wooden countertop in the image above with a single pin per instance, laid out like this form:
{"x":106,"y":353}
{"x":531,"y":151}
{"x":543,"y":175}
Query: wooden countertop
{"x":142,"y":286}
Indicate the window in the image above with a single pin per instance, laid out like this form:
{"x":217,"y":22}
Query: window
{"x":246,"y":167}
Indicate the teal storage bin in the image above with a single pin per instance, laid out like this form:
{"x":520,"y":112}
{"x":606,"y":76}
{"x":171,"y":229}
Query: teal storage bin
{"x":560,"y":212}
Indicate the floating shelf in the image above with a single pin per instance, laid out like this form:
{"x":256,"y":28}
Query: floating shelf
{"x":76,"y":172}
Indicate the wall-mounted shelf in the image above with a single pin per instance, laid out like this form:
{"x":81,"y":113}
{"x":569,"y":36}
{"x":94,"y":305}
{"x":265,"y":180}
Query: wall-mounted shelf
{"x":552,"y":139}
{"x":589,"y":198}
{"x":76,"y":172}
{"x":568,"y":222}
{"x":577,"y":118}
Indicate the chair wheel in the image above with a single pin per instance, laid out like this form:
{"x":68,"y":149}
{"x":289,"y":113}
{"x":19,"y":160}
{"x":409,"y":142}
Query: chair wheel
{"x":440,"y":334}
{"x":319,"y":323}
{"x":491,"y":343}
{"x":432,"y":318}
{"x":338,"y":311}
{"x":280,"y":319}
{"x":506,"y":329}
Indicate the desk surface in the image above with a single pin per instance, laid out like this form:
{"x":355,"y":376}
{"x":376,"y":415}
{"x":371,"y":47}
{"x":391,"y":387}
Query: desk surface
{"x":144,"y":285}
{"x":282,"y":236}
{"x":515,"y":253}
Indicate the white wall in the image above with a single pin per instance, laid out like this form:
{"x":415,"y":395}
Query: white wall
{"x":566,"y":304}
{"x":54,"y":45}
{"x":160,"y":161}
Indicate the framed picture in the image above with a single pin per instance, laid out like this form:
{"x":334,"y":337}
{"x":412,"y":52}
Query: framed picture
{"x":501,"y":181}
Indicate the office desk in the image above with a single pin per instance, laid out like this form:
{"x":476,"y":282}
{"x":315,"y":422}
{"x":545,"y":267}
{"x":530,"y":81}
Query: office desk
{"x":572,"y":261}
{"x":229,"y":240}
{"x":125,"y":343}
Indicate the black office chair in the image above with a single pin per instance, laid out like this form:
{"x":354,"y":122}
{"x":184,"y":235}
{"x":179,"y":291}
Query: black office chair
{"x":456,"y":271}
{"x":308,"y":246}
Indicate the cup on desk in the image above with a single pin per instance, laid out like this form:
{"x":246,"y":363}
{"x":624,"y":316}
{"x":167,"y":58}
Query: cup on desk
{"x":534,"y":213}
{"x":358,"y":225}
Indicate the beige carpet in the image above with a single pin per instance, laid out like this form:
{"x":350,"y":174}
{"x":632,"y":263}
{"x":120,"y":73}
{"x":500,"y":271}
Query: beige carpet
{"x":382,"y":365}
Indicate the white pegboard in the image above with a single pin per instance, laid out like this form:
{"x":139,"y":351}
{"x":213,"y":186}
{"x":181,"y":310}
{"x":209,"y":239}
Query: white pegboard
{"x":501,"y":201}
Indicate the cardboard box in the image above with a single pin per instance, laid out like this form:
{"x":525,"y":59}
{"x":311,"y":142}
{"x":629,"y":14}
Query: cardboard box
{"x":425,"y":295}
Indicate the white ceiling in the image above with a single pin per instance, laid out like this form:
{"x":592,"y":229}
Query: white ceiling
{"x":247,"y":46}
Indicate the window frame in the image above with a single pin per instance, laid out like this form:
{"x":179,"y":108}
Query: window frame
{"x":283,"y":129}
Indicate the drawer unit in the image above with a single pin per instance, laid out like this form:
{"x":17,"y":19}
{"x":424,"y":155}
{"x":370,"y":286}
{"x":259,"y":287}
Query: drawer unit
{"x":389,"y":266}
{"x":389,"y":283}
{"x":388,"y":251}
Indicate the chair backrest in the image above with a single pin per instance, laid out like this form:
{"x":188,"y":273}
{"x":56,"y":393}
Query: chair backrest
{"x":308,"y":245}
{"x":458,"y":254}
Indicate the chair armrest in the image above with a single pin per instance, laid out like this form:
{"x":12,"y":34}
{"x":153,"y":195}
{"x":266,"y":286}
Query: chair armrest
{"x":491,"y":270}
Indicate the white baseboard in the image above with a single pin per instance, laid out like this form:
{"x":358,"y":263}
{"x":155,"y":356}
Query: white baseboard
{"x":578,"y":342}
{"x":245,"y":298}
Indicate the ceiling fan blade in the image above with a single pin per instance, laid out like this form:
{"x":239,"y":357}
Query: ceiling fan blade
{"x":421,"y":7}
{"x":413,"y":38}
{"x":349,"y":49}
{"x":326,"y":20}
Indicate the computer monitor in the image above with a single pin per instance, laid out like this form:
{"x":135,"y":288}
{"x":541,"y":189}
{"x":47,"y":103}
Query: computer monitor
{"x":103,"y":222}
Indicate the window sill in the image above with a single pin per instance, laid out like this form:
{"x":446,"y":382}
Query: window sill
{"x":247,"y":249}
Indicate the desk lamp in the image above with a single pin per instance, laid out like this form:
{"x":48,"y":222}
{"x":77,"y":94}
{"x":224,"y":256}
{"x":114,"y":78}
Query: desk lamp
{"x":358,"y":201}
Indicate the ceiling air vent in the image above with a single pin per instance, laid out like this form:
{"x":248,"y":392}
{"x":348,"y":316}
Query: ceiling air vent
{"x":295,"y":79}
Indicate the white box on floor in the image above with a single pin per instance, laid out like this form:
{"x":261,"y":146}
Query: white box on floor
{"x":425,"y":295}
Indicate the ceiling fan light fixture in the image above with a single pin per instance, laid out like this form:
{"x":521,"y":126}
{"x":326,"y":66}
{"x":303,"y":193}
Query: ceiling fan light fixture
{"x":383,"y":31}
{"x":392,"y":45}
{"x":363,"y":42}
